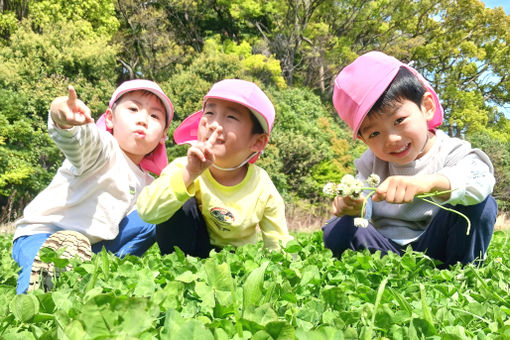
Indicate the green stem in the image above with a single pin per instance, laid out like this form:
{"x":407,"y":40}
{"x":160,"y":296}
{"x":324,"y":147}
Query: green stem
{"x":364,"y":203}
{"x":451,"y":210}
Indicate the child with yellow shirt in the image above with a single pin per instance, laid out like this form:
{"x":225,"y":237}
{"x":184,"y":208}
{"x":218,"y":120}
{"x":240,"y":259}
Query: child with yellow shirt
{"x":216,"y":196}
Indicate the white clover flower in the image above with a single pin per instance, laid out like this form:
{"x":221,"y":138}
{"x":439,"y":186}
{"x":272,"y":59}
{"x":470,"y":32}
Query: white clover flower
{"x":360,"y":222}
{"x":350,"y":186}
{"x":348,"y":179}
{"x":373,"y":180}
{"x":329,"y":189}
{"x":356,"y":189}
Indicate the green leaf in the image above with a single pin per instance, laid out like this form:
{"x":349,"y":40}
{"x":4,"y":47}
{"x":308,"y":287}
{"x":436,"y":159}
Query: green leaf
{"x":280,"y":330}
{"x":252,"y":288}
{"x":218,"y":276}
{"x":24,"y":307}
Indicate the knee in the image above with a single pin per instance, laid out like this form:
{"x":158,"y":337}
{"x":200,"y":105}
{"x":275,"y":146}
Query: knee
{"x":484,"y":214}
{"x":335,"y":234}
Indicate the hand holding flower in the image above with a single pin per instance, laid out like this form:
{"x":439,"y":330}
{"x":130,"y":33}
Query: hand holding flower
{"x":395,"y":189}
{"x":403,"y":189}
{"x":347,"y":206}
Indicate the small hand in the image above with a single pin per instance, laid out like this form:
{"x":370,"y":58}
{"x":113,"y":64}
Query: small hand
{"x":347,"y":206}
{"x":200,"y":155}
{"x":403,"y":189}
{"x":69,"y":111}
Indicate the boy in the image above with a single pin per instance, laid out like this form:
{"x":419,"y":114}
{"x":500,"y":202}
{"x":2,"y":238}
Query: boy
{"x":393,"y":110}
{"x":92,"y":197}
{"x":215,"y":196}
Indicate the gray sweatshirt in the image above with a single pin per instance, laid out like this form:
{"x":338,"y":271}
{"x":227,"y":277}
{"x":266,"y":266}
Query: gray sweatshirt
{"x":471,"y":178}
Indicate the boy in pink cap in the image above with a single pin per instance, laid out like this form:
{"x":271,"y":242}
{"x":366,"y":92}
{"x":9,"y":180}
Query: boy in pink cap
{"x":216,"y":196}
{"x":393,"y":110}
{"x":92,"y":198}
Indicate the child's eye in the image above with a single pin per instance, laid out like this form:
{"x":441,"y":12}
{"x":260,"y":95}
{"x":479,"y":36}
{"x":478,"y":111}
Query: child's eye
{"x":155,"y":116}
{"x":208,"y":113}
{"x":399,"y":120}
{"x":133,"y":108}
{"x":232,"y":117}
{"x":373,"y":134}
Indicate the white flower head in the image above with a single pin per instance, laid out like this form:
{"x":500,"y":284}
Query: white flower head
{"x":351,"y":186}
{"x":373,"y":180}
{"x":360,"y":222}
{"x":329,"y":189}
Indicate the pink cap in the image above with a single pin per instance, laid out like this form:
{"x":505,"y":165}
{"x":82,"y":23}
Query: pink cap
{"x":157,"y":160}
{"x":147,"y":85}
{"x":238,"y":91}
{"x":360,"y":84}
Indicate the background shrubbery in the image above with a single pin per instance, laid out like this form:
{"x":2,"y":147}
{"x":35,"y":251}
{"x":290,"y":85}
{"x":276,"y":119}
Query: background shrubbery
{"x":292,"y":49}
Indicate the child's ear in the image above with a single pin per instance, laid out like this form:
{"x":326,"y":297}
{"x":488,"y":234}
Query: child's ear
{"x":260,"y":142}
{"x":428,"y":106}
{"x":109,"y":118}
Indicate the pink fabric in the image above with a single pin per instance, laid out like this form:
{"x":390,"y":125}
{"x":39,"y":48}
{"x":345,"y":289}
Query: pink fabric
{"x":361,"y":83}
{"x":147,"y":85}
{"x":238,"y":91}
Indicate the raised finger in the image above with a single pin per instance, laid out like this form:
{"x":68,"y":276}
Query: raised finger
{"x":72,"y":96}
{"x":214,"y":135}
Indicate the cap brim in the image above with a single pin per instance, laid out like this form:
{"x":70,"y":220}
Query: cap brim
{"x":164,"y":99}
{"x":187,"y":131}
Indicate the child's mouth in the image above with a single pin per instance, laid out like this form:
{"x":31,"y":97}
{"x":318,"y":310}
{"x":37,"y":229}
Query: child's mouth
{"x":140,"y":134}
{"x":402,"y":151}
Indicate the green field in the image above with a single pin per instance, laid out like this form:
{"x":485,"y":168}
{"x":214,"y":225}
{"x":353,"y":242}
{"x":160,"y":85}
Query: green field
{"x":253,"y":294}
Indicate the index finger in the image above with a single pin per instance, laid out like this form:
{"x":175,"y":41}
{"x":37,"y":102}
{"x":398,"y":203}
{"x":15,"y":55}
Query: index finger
{"x":72,"y":96}
{"x":214,"y":135}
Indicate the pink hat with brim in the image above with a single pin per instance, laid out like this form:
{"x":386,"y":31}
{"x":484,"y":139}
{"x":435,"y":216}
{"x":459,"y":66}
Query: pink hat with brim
{"x":360,"y":84}
{"x":238,"y":91}
{"x":157,"y":160}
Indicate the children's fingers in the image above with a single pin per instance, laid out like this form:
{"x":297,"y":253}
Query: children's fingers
{"x":196,"y":153}
{"x":214,"y":135}
{"x":72,"y":96}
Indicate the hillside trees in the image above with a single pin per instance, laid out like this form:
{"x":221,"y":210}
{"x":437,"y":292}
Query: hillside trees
{"x":35,"y":67}
{"x":292,"y":49}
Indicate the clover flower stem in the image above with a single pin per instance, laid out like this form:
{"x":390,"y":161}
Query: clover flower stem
{"x":452,"y":210}
{"x":365,"y":203}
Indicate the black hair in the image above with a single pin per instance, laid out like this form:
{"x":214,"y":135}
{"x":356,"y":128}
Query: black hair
{"x":405,"y":86}
{"x":257,"y":127}
{"x":144,"y":93}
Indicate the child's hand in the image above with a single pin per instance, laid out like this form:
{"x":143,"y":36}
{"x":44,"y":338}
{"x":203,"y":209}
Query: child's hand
{"x":347,"y":206}
{"x":69,"y":111}
{"x":200,"y":155}
{"x":403,"y":189}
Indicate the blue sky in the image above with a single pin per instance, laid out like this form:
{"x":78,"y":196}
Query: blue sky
{"x":506,"y":7}
{"x":498,"y":3}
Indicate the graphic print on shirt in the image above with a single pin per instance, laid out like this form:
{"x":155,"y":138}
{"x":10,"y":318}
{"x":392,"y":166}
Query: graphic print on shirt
{"x":222,"y":218}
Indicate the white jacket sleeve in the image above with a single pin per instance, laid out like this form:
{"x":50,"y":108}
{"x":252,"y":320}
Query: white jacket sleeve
{"x":85,"y":146}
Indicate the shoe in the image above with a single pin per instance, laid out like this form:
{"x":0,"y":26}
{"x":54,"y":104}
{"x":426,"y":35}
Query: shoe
{"x":75,"y":244}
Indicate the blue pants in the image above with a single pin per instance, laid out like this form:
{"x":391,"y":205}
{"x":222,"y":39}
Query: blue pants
{"x":134,"y":238}
{"x":444,"y":239}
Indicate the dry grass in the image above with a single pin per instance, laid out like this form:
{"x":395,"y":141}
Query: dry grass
{"x":7,"y":228}
{"x":308,"y":220}
{"x":502,"y":222}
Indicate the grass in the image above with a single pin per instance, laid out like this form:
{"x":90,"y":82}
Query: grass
{"x":250,"y":293}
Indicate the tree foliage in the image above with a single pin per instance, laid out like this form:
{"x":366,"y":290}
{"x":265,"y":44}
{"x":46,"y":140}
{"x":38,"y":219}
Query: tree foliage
{"x":293,"y":49}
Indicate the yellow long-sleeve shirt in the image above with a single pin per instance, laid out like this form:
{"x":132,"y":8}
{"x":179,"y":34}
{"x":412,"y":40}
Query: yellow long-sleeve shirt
{"x":231,"y":213}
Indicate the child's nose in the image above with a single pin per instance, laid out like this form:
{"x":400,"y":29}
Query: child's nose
{"x":393,"y":137}
{"x":214,"y":125}
{"x":143,"y":117}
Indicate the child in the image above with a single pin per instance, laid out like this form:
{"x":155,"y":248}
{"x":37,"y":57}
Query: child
{"x":215,"y":196}
{"x":92,"y":197}
{"x":394,"y":111}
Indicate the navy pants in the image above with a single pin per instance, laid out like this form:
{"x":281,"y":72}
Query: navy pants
{"x":444,"y":239}
{"x":187,"y":230}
